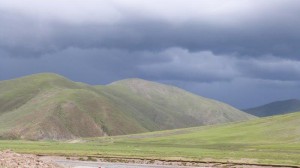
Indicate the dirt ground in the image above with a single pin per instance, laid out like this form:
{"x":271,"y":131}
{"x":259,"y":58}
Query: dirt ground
{"x":10,"y":159}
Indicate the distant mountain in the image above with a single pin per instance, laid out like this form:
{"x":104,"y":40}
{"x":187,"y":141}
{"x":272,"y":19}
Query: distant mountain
{"x":275,"y":108}
{"x":49,"y":106}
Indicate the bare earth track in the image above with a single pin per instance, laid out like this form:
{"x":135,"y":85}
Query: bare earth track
{"x":10,"y":159}
{"x":87,"y":164}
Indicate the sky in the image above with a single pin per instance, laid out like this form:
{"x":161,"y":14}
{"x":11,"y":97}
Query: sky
{"x":242,"y":52}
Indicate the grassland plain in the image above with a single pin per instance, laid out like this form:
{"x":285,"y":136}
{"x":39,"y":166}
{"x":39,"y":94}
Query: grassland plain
{"x":49,"y":106}
{"x":272,"y":140}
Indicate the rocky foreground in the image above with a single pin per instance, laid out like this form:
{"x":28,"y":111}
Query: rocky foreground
{"x":10,"y":159}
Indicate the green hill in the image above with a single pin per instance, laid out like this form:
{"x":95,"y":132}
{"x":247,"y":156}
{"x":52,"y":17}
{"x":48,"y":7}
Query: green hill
{"x":275,"y":108}
{"x":49,"y":106}
{"x":271,"y":140}
{"x":269,"y":130}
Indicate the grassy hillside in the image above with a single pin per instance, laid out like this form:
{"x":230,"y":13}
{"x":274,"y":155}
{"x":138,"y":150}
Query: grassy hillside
{"x":275,"y":108}
{"x":166,"y":107}
{"x":49,"y":106}
{"x":272,"y":140}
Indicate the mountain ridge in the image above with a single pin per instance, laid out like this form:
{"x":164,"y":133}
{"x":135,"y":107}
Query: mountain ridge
{"x":275,"y":108}
{"x":50,"y":106}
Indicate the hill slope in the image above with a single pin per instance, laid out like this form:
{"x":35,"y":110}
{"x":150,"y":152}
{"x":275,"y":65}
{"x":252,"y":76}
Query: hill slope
{"x":49,"y":106}
{"x":264,"y":140}
{"x":275,"y":108}
{"x":167,"y":107}
{"x":276,"y":129}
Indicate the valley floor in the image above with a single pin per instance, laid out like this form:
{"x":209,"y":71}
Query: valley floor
{"x":267,"y":141}
{"x":229,"y":155}
{"x":10,"y":159}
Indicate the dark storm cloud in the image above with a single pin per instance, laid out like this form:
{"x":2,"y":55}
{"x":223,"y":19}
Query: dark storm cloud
{"x":271,"y":68}
{"x":154,"y":36}
{"x":173,"y":64}
{"x":23,"y":36}
{"x":191,"y":66}
{"x":222,"y":49}
{"x":206,"y":66}
{"x":269,"y":30}
{"x":95,"y":66}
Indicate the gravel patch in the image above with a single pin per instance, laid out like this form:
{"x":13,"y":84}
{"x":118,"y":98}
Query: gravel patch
{"x":10,"y":159}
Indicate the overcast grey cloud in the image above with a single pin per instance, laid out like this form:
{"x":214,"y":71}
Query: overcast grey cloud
{"x":244,"y":27}
{"x":211,"y":47}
